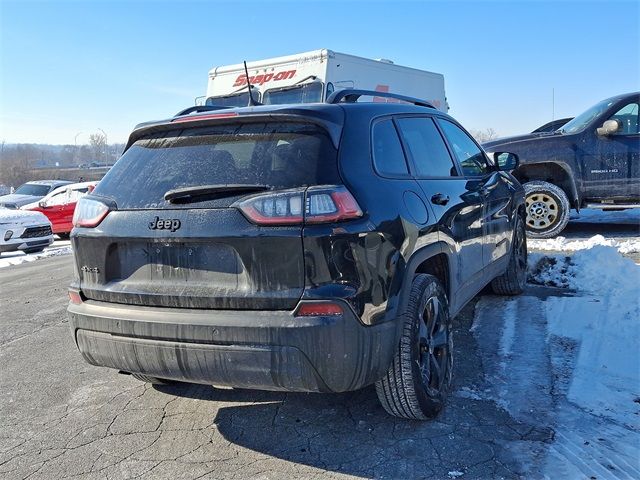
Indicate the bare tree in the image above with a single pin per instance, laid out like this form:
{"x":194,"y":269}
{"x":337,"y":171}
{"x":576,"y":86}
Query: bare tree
{"x":484,"y":135}
{"x":98,"y":143}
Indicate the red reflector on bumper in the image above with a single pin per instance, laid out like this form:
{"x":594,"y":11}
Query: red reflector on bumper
{"x":75,"y":297}
{"x":318,"y":309}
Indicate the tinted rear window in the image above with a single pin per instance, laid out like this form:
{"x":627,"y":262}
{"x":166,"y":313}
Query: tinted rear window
{"x":279,"y":155}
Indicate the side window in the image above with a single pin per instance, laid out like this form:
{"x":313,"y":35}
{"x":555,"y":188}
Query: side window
{"x":628,"y":118}
{"x":469,"y":155}
{"x":427,"y":148}
{"x":388,"y":156}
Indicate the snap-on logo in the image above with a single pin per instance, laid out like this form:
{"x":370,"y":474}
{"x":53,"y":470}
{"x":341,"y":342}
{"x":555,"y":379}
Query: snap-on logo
{"x":265,"y":77}
{"x":172,"y":224}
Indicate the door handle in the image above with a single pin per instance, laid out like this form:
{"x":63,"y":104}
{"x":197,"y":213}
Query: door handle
{"x":440,"y":199}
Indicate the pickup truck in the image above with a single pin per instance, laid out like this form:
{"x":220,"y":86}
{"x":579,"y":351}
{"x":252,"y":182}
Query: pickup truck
{"x":593,"y":161}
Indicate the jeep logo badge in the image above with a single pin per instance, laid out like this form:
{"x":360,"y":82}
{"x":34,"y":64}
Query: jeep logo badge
{"x":172,"y":224}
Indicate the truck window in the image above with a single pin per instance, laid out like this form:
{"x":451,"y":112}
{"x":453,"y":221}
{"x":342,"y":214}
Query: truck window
{"x":237,"y":100}
{"x":628,"y":118}
{"x":308,"y":93}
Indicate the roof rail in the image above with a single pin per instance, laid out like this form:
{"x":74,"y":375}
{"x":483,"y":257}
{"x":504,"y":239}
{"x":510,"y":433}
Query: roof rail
{"x":200,"y":108}
{"x":351,"y":96}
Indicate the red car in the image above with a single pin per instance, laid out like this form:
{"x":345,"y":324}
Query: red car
{"x":59,"y":205}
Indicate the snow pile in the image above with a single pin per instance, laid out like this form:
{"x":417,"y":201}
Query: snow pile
{"x":605,"y":321}
{"x":17,"y":258}
{"x":562,"y":244}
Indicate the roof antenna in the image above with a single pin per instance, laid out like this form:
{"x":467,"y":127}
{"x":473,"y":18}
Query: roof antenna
{"x":252,"y":102}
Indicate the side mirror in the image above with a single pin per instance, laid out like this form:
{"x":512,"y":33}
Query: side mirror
{"x":42,"y":204}
{"x":609,"y":128}
{"x":506,"y":161}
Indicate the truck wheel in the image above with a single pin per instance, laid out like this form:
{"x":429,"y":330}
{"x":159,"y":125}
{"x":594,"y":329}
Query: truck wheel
{"x":418,"y":380}
{"x":547,"y":209}
{"x":151,"y":380}
{"x":63,"y":236}
{"x":513,"y":280}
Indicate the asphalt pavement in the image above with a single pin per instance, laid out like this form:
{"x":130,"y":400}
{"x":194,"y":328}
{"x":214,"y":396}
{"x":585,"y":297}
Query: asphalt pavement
{"x":62,"y":418}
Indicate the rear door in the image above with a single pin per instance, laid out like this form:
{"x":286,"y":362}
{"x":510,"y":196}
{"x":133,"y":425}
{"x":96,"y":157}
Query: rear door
{"x":201,"y":251}
{"x":457,"y":203}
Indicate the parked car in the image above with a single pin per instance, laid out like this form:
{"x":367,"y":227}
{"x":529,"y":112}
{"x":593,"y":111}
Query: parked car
{"x":24,"y":230}
{"x":309,"y":247}
{"x":59,"y":205}
{"x":30,"y":192}
{"x":593,"y":161}
{"x":552,"y":126}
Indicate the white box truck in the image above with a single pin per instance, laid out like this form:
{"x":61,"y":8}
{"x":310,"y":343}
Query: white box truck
{"x":312,"y":76}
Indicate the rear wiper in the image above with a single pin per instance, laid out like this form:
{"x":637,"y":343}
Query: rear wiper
{"x":192,"y":194}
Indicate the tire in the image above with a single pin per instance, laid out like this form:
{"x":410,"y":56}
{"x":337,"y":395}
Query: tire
{"x":514,"y":279}
{"x":412,"y":387}
{"x":151,"y":380}
{"x":547,"y":209}
{"x":63,"y":236}
{"x":33,"y":250}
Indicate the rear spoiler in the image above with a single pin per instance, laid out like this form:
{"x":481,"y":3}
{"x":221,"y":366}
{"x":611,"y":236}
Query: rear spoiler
{"x":291,"y":115}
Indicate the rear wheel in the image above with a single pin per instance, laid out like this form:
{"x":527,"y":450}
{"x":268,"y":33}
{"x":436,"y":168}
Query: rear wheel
{"x":418,"y":380}
{"x":547,"y":209}
{"x":152,"y":380}
{"x":63,"y":236}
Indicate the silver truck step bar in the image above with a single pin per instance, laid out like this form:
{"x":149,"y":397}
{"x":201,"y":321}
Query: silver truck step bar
{"x":612,"y":206}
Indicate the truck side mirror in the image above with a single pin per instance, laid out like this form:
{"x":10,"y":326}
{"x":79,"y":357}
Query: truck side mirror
{"x":609,"y":127}
{"x":42,"y":204}
{"x":506,"y":161}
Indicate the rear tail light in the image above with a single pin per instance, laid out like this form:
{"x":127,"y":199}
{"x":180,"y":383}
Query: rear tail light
{"x":318,"y":309}
{"x":75,"y":297}
{"x":89,"y":213}
{"x":312,"y":205}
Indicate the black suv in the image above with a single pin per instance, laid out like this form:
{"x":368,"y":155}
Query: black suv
{"x":593,"y":161}
{"x":311,"y":247}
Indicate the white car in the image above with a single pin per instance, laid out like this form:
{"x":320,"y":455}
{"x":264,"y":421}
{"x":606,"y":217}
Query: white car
{"x":24,"y":230}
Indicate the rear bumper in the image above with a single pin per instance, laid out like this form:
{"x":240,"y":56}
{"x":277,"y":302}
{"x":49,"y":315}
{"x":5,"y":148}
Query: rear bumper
{"x":270,"y":350}
{"x":24,"y":244}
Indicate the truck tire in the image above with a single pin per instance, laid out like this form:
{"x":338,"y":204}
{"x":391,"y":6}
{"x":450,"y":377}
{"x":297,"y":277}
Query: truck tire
{"x":64,"y":236}
{"x":514,"y":279}
{"x":418,"y":380}
{"x":151,"y":380}
{"x":547,"y":209}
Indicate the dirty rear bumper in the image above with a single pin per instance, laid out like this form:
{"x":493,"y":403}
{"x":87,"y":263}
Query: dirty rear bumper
{"x":270,"y":350}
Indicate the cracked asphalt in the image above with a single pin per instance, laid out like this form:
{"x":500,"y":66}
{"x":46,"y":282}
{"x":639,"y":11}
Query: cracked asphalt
{"x":62,"y":418}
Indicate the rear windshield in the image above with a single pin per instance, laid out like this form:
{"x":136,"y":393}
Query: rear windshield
{"x":278,"y":155}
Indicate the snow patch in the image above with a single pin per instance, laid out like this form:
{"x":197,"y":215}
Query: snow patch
{"x":17,"y":258}
{"x":455,"y":474}
{"x":562,"y":244}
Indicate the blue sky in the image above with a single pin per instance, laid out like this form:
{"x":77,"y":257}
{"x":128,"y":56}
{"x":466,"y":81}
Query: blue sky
{"x":71,"y":67}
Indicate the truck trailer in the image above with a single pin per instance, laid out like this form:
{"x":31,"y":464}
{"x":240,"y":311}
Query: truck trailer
{"x":313,"y":76}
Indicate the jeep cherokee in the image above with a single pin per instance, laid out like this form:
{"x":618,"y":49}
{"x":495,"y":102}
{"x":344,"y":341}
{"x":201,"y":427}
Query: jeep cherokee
{"x":311,"y":247}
